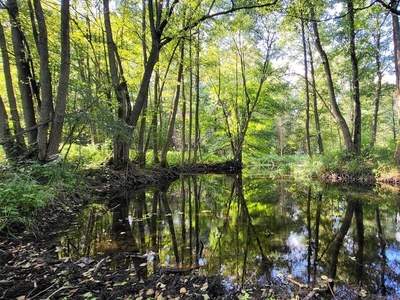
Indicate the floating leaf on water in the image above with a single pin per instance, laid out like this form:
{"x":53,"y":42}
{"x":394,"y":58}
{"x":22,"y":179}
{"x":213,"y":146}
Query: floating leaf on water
{"x":143,"y":265}
{"x":324,"y":277}
{"x":363,"y":293}
{"x":279,"y":275}
{"x":206,"y":297}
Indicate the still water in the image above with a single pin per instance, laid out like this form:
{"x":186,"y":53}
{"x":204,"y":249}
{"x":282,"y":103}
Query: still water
{"x":250,"y":230}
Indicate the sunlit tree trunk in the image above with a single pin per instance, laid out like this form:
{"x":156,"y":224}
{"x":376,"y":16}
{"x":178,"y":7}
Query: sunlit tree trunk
{"x":378,"y":88}
{"x":315,"y":103}
{"x":303,"y":38}
{"x":141,"y":147}
{"x":46,"y":108}
{"x":171,"y":127}
{"x":335,"y":108}
{"x":196,"y":150}
{"x":62,"y":91}
{"x":396,"y":45}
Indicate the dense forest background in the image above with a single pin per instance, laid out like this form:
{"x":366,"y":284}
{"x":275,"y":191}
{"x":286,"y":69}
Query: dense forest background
{"x":205,"y":79}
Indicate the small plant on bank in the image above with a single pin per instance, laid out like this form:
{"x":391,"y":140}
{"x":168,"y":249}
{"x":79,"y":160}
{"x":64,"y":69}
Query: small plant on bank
{"x":20,"y":198}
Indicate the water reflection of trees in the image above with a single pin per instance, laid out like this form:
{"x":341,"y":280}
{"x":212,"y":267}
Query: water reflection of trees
{"x":250,"y":229}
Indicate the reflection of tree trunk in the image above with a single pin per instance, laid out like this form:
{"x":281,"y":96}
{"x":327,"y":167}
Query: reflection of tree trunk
{"x":153,"y":227}
{"x":139,"y":208}
{"x":190,"y":221}
{"x":183,"y":221}
{"x":241,"y":198}
{"x":317,"y":223}
{"x":309,"y":234}
{"x":382,"y":243}
{"x":197,"y":188}
{"x":358,"y":212}
{"x":121,"y":233}
{"x":89,"y":232}
{"x":339,"y":239}
{"x":170,"y":221}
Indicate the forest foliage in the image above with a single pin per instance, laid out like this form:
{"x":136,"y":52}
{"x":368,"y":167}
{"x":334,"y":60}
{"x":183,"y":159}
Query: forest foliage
{"x":209,"y":80}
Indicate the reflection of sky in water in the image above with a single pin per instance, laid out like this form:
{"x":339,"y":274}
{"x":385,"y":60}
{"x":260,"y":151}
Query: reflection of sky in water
{"x":296,"y":254}
{"x":393,"y":262}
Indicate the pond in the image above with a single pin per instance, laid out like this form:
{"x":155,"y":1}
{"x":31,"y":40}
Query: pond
{"x":249,"y":229}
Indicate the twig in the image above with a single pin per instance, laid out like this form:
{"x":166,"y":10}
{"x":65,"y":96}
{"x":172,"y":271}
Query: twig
{"x":330,"y":289}
{"x":44,"y":291}
{"x":99,"y":265}
{"x":60,"y":289}
{"x":294,"y":281}
{"x":310,"y":295}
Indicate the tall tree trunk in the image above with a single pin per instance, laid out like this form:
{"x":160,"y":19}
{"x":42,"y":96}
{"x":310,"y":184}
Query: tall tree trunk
{"x":62,"y":92}
{"x":19,"y":138}
{"x":315,"y":103}
{"x":303,"y":39}
{"x":171,"y":127}
{"x":335,"y":108}
{"x":355,"y":81}
{"x":396,"y":45}
{"x":46,"y":108}
{"x":154,"y":120}
{"x":196,"y":150}
{"x":141,"y":147}
{"x":121,"y":140}
{"x":26,"y":80}
{"x":378,"y":88}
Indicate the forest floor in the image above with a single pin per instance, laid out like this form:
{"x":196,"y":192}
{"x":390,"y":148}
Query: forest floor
{"x":31,"y":269}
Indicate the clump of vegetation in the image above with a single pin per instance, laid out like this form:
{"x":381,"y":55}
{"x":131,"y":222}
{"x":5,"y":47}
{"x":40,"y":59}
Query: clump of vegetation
{"x":25,"y":190}
{"x":20,"y":197}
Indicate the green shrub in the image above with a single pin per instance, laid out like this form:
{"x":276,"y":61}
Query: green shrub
{"x":20,"y":198}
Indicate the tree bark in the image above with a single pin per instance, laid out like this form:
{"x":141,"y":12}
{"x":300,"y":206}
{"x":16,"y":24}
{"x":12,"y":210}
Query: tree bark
{"x":46,"y":109}
{"x":355,"y":81}
{"x":315,"y":103}
{"x":19,"y":139}
{"x":121,"y":140}
{"x":335,"y":108}
{"x":378,"y":88}
{"x":303,"y":39}
{"x":171,"y":127}
{"x":62,"y":92}
{"x":396,"y":45}
{"x":26,"y":79}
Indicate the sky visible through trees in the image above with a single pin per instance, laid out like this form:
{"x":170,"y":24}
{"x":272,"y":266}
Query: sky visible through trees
{"x":210,"y":79}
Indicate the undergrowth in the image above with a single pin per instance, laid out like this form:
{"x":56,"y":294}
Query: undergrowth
{"x":27,"y":188}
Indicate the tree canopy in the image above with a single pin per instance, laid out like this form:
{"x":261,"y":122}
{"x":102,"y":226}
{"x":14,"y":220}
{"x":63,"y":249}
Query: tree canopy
{"x":210,"y":79}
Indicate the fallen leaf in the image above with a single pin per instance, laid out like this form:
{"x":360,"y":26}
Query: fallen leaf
{"x":204,"y":287}
{"x":150,"y":292}
{"x":182,"y":291}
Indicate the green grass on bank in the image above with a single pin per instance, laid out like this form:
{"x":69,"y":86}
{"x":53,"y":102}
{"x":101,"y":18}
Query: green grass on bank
{"x":29,"y":187}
